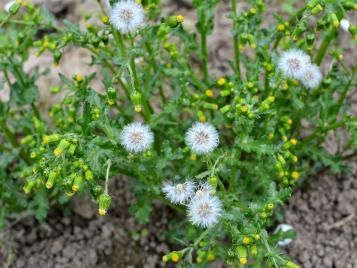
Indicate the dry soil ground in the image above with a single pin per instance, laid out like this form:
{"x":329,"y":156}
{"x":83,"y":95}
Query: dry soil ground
{"x":324,"y":212}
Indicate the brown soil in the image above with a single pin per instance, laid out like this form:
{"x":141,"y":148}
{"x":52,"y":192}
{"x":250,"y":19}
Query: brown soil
{"x":323,"y":213}
{"x":324,"y":216}
{"x":86,"y":240}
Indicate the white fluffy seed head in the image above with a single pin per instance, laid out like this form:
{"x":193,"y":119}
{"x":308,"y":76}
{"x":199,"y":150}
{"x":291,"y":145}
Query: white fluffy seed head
{"x":293,"y":63}
{"x":127,"y":16}
{"x":136,"y":137}
{"x":203,"y":190}
{"x":345,"y":25}
{"x":205,"y":211}
{"x":8,"y":5}
{"x":202,"y":138}
{"x":311,"y":77}
{"x":284,"y":228}
{"x":179,"y":193}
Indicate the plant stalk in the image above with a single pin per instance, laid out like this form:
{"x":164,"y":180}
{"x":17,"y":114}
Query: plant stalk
{"x":236,"y":41}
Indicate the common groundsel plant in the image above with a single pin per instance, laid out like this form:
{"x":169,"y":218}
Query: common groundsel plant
{"x":223,"y":152}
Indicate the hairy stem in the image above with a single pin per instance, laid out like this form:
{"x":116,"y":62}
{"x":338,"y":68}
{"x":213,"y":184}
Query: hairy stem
{"x":327,"y":40}
{"x":156,"y":70}
{"x":324,"y":46}
{"x":236,"y":41}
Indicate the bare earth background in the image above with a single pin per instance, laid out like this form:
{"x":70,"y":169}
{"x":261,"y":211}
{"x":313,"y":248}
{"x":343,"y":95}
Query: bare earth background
{"x":323,"y":212}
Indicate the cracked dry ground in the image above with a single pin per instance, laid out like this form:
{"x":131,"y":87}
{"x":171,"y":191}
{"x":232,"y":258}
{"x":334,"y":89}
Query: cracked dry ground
{"x":324,"y":213}
{"x":325,"y":218}
{"x":85,"y":240}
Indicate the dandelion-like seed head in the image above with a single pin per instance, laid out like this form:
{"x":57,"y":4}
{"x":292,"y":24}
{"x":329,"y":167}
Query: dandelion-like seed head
{"x":293,"y":63}
{"x":127,"y":16}
{"x":8,"y":5}
{"x":311,"y":78}
{"x":179,"y":193}
{"x":345,"y":25}
{"x":205,"y":211}
{"x":136,"y":137}
{"x":202,"y":138}
{"x":203,"y":190}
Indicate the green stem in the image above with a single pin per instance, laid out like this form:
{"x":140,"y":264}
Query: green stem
{"x":320,"y":130}
{"x":119,"y":40}
{"x":156,"y":70}
{"x":324,"y":46}
{"x":11,"y":138}
{"x":114,"y":72}
{"x":9,"y":135}
{"x":297,"y":16}
{"x":203,"y":235}
{"x":327,"y":40}
{"x":107,"y":176}
{"x":236,"y":41}
{"x":133,"y":74}
{"x":6,"y":19}
{"x":204,"y":55}
{"x":19,"y":75}
{"x":232,"y":180}
{"x":196,"y":81}
{"x":7,"y":78}
{"x":35,"y":111}
{"x":344,"y":94}
{"x":146,"y":112}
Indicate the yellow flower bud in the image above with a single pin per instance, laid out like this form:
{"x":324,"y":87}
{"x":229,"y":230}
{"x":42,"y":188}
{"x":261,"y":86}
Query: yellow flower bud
{"x":209,"y":93}
{"x":295,"y":175}
{"x":175,"y":257}
{"x":138,"y":108}
{"x":210,"y":256}
{"x":256,"y":236}
{"x":102,"y":212}
{"x":221,"y":81}
{"x":246,"y":240}
{"x":165,"y":258}
{"x":271,"y":98}
{"x":270,"y":136}
{"x":78,"y":78}
{"x":244,"y":108}
{"x":180,"y":18}
{"x":294,"y":158}
{"x":105,"y":19}
{"x":57,"y":152}
{"x":293,"y":141}
{"x":285,"y":86}
{"x":243,"y":260}
{"x":281,"y":27}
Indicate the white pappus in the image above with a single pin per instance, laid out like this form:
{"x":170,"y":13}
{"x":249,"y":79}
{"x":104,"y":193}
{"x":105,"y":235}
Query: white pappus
{"x":311,"y":78}
{"x":202,"y":138}
{"x":179,"y":193}
{"x":293,"y":63}
{"x":136,"y":137}
{"x":204,"y":210}
{"x":127,"y":16}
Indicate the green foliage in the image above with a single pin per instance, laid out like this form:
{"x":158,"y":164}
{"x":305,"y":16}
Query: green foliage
{"x":272,"y":129}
